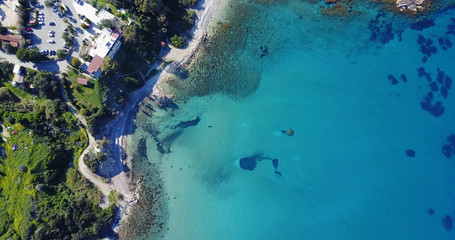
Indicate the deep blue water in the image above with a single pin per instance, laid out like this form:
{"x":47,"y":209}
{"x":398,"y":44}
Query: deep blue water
{"x":370,"y":100}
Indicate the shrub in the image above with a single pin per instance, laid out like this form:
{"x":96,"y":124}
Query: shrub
{"x":22,"y":168}
{"x":178,"y":41}
{"x":60,"y":54}
{"x":133,"y":82}
{"x":29,"y":54}
{"x":48,"y":3}
{"x":76,"y":62}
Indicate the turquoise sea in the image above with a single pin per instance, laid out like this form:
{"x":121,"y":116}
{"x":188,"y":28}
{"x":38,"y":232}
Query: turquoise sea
{"x":370,"y":156}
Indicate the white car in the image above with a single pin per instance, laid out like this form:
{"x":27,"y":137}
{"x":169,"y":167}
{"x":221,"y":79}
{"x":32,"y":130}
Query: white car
{"x":51,"y":35}
{"x":50,"y":41}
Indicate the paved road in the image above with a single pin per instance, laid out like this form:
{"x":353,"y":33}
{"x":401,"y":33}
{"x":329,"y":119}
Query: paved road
{"x":51,"y":66}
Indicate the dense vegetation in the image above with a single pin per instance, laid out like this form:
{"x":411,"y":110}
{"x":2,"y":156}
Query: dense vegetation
{"x":42,"y":195}
{"x":156,"y":20}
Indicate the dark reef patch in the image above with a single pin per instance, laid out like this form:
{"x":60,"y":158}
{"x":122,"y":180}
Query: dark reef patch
{"x":393,"y":80}
{"x":433,"y":86}
{"x":442,"y":84}
{"x":190,"y":123}
{"x":410,"y":153}
{"x":430,"y":211}
{"x":449,"y":149}
{"x":447,"y":222}
{"x":248,"y":163}
{"x":422,"y":24}
{"x":381,"y":28}
{"x":451,"y":27}
{"x":403,"y":78}
{"x":265,"y":51}
{"x":445,"y":43}
{"x":426,"y":46}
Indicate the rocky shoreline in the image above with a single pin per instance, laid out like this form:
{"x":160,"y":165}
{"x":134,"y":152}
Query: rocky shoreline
{"x":118,"y":128}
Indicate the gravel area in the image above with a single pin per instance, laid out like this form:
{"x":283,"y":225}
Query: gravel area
{"x":8,"y":17}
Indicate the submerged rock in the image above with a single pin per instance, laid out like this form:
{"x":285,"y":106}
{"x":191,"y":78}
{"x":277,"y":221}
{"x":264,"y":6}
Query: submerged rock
{"x":430,"y":211}
{"x":447,"y":222}
{"x":190,"y":123}
{"x":248,"y":163}
{"x":289,"y":132}
{"x":410,"y":153}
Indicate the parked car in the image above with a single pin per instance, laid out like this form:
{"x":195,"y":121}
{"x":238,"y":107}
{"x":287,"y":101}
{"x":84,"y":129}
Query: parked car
{"x":51,"y":35}
{"x":14,"y":133}
{"x":52,"y":23}
{"x":51,"y":32}
{"x":50,"y":41}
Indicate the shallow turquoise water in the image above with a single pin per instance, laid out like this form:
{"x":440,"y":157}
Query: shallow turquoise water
{"x":344,"y":174}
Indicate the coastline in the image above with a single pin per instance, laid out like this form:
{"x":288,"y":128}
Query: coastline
{"x":123,"y":182}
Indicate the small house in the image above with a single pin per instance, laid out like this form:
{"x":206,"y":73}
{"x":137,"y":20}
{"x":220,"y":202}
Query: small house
{"x":19,"y":73}
{"x":82,"y":81}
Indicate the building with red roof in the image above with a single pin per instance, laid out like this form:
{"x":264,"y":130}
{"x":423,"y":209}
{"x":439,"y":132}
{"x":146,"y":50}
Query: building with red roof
{"x":94,"y":68}
{"x":82,"y":81}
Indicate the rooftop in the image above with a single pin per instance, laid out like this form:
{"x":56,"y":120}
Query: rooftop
{"x":103,"y":43}
{"x":12,"y":39}
{"x":82,"y":81}
{"x":90,"y":12}
{"x":18,"y":79}
{"x":95,"y":64}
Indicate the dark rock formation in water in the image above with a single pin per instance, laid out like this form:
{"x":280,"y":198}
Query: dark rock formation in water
{"x":445,"y":43}
{"x":451,"y":27}
{"x":403,"y":78}
{"x":289,"y":132}
{"x":392,"y":79}
{"x":447,"y":222}
{"x":430,"y":211}
{"x":426,"y":46}
{"x":410,"y":153}
{"x":265,"y":51}
{"x":248,"y":163}
{"x":449,"y":149}
{"x":381,"y":29}
{"x":422,"y":24}
{"x":190,"y":123}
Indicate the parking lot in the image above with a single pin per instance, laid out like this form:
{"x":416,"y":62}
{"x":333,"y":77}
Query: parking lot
{"x":41,"y":37}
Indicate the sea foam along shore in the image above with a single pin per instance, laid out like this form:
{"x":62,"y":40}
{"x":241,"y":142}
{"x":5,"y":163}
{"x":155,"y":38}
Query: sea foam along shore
{"x":128,"y":110}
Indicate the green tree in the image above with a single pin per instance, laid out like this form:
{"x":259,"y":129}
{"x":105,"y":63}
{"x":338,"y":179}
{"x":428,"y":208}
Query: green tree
{"x":133,"y":82}
{"x":178,"y":41}
{"x":105,"y":23}
{"x":60,"y":54}
{"x":130,"y":35}
{"x":109,"y":66}
{"x":29,"y":54}
{"x":48,"y":3}
{"x":5,"y":95}
{"x":47,"y":84}
{"x":75,"y":62}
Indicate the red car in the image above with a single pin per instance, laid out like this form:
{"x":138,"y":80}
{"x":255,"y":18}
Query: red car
{"x":14,"y":133}
{"x":29,"y":29}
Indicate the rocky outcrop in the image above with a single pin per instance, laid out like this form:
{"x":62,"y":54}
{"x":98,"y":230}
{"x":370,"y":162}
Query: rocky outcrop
{"x":413,"y":5}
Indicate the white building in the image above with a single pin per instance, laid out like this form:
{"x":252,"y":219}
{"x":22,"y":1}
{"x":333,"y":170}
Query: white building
{"x":106,"y":44}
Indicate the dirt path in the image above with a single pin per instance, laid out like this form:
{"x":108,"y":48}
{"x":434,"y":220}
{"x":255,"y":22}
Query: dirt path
{"x":104,"y":187}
